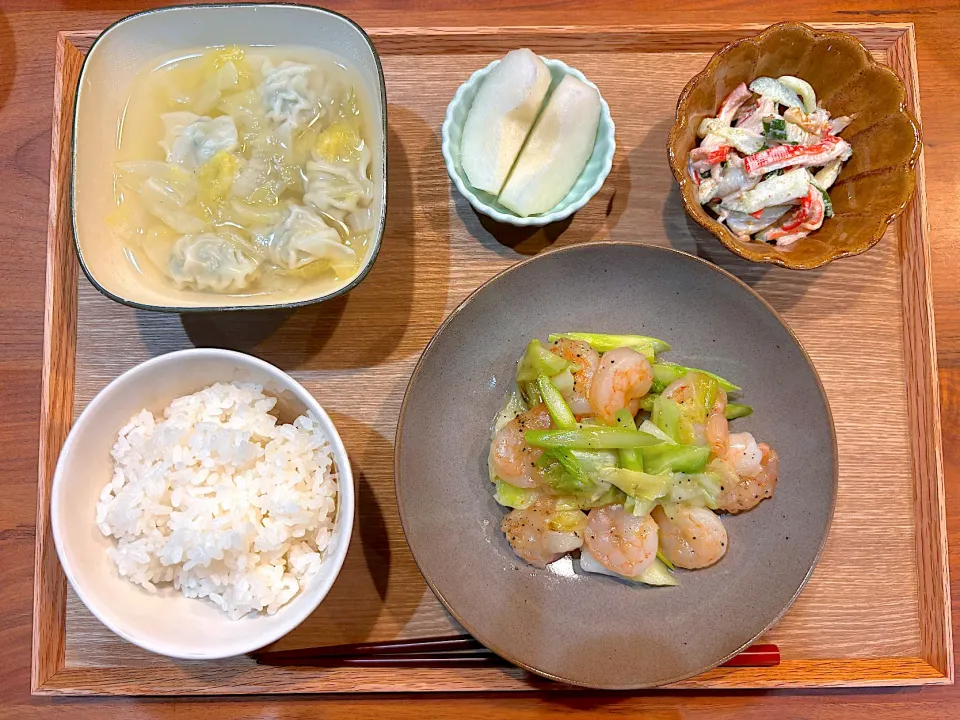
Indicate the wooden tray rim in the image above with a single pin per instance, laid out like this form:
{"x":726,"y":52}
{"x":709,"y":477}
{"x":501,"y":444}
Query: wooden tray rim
{"x":51,"y":676}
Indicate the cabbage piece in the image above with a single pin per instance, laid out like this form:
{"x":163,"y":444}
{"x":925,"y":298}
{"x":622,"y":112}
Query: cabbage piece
{"x":250,"y":215}
{"x":513,"y":497}
{"x":303,"y":239}
{"x":215,"y":179}
{"x":212,"y":261}
{"x":698,"y":489}
{"x":577,"y":472}
{"x":266,"y":176}
{"x":244,"y":108}
{"x":192,"y":140}
{"x":168,"y":192}
{"x":639,"y":485}
{"x":656,"y":574}
{"x":339,"y":143}
{"x":199,"y":83}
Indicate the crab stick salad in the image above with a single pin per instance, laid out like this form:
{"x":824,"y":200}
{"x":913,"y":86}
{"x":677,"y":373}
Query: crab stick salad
{"x":767,"y":159}
{"x":607,"y":450}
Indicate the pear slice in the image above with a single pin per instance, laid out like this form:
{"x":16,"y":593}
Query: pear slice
{"x":500,"y":118}
{"x":557,"y":150}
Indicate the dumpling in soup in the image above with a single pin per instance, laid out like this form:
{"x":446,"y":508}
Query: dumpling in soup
{"x":287,"y":97}
{"x":191,"y":140}
{"x":340,"y":189}
{"x":304,"y":238}
{"x":211,"y":262}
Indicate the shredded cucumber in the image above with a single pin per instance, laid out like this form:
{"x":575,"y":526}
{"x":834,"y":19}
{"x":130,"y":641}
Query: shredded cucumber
{"x":776,"y":91}
{"x":801,"y":88}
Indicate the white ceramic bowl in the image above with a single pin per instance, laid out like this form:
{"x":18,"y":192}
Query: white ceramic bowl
{"x":111,"y":66}
{"x":167,"y":622}
{"x":589,"y":182}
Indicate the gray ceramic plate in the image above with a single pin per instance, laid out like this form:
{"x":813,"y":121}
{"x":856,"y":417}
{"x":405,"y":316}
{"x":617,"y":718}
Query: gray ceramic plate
{"x":588,"y":629}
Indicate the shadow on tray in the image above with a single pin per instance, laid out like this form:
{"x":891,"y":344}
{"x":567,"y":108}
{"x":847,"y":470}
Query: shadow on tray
{"x":593,"y":221}
{"x":379,"y":588}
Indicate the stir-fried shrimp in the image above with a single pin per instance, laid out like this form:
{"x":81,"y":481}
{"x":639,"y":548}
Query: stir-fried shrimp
{"x":718,"y":428}
{"x":620,"y":541}
{"x":744,"y":454}
{"x":544,"y":532}
{"x":579,"y":483}
{"x":512,"y":459}
{"x":623,"y":378}
{"x":690,"y":537}
{"x":586,"y":360}
{"x":744,"y":492}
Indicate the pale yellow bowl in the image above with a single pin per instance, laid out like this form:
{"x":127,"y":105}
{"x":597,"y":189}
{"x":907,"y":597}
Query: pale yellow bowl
{"x":111,"y":65}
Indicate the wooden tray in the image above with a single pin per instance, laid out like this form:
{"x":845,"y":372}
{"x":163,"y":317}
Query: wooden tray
{"x":875,"y":612}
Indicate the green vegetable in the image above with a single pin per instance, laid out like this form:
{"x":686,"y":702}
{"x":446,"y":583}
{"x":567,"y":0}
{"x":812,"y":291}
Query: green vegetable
{"x":803,"y":89}
{"x":699,"y":489}
{"x":828,"y":174}
{"x":773,"y":173}
{"x":658,"y":575}
{"x":639,"y":507}
{"x":600,"y":496}
{"x":590,"y":438}
{"x":663,"y":558}
{"x":646,"y":402}
{"x":536,"y":361}
{"x":530,"y":392}
{"x":560,"y":412}
{"x":576,"y":472}
{"x":665,"y":373}
{"x":827,"y":205}
{"x":593,"y":461}
{"x":776,"y":91}
{"x":514,"y":497}
{"x":603,"y":343}
{"x":564,"y":473}
{"x":662,"y":458}
{"x":638,"y":485}
{"x":648,"y":427}
{"x":745,"y":141}
{"x":775,"y":128}
{"x":666,"y":416}
{"x":511,"y":408}
{"x":736,"y":410}
{"x":705,"y":390}
{"x":630,"y":458}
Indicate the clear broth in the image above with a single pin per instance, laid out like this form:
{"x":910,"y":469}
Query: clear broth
{"x":140,"y":130}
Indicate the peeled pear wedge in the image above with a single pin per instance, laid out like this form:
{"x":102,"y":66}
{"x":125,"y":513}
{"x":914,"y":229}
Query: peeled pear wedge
{"x":500,"y":118}
{"x":557,"y":150}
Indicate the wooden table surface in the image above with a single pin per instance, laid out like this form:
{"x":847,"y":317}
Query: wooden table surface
{"x":27,"y":35}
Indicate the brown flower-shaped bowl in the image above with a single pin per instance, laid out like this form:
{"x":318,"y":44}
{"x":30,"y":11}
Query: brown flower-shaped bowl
{"x":875,"y":185}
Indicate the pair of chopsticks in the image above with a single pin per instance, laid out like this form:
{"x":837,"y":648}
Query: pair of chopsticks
{"x":452,"y":651}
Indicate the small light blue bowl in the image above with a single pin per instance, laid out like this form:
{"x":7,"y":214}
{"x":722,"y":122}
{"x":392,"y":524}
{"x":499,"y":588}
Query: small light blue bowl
{"x":590,"y":180}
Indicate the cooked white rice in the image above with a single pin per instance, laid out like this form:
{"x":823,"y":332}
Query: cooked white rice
{"x":221,"y":500}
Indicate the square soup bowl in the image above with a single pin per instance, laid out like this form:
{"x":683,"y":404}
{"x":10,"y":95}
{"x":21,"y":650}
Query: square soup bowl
{"x":121,"y":52}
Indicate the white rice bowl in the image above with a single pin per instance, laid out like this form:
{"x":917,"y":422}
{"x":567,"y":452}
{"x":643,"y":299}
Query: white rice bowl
{"x":222,"y":501}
